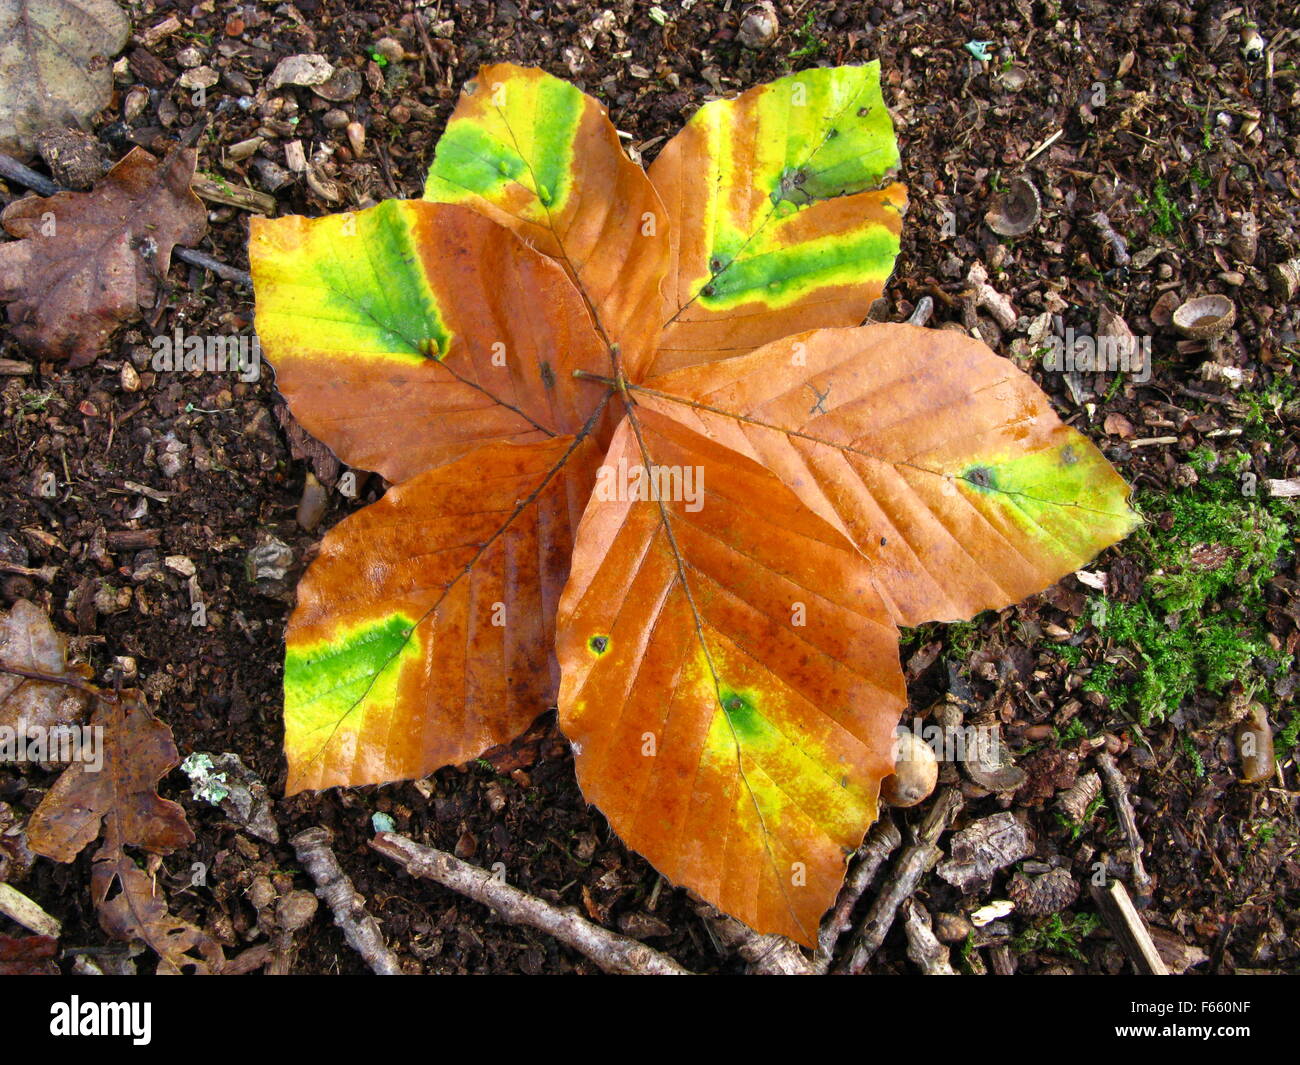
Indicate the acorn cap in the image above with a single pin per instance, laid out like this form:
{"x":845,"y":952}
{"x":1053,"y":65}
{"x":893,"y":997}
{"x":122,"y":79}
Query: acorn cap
{"x":1205,"y":317}
{"x":1017,"y":210}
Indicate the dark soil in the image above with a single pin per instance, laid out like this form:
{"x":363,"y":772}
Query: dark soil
{"x":1186,"y":135}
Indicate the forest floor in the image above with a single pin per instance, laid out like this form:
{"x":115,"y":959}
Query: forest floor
{"x":1154,"y":114}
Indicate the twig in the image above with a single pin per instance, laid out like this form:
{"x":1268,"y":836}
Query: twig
{"x":914,"y":863}
{"x":12,"y":170}
{"x":767,"y":954}
{"x":922,"y":946}
{"x":1118,"y":245}
{"x":881,"y":842}
{"x":1118,"y":790}
{"x":51,"y":678}
{"x":335,"y":889}
{"x":18,"y":907}
{"x":44,"y":574}
{"x":1127,"y":926}
{"x":612,"y":952}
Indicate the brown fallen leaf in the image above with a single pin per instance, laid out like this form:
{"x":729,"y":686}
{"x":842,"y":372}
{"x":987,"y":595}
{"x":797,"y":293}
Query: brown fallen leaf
{"x":87,"y":261}
{"x":54,"y":64}
{"x":30,"y":646}
{"x":121,"y":799}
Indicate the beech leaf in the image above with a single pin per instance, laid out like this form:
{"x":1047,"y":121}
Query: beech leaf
{"x":425,"y":629}
{"x":781,"y":212}
{"x":778,"y":490}
{"x":940,"y":460}
{"x":54,"y":64}
{"x":88,"y":261}
{"x":406,"y":335}
{"x":731,"y":680}
{"x":536,"y":155}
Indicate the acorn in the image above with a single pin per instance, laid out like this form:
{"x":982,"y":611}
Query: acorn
{"x":916,"y":772}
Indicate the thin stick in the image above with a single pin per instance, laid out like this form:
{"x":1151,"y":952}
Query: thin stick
{"x":922,"y":945}
{"x":50,"y":678}
{"x":18,"y":907}
{"x":1118,"y":790}
{"x":1127,"y":926}
{"x":612,"y":952}
{"x":881,"y":842}
{"x":335,"y":889}
{"x":768,"y":954}
{"x":912,"y":865}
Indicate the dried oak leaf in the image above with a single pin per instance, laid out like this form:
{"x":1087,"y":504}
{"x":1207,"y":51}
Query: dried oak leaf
{"x":54,"y":64}
{"x":28,"y":956}
{"x":120,"y":799}
{"x":539,"y":359}
{"x":30,"y":644}
{"x":88,"y":261}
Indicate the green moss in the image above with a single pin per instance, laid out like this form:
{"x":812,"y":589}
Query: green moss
{"x":1166,"y":215}
{"x":1058,"y":934}
{"x":1197,"y":626}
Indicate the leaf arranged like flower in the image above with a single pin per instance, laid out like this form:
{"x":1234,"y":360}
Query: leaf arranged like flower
{"x":650,"y":470}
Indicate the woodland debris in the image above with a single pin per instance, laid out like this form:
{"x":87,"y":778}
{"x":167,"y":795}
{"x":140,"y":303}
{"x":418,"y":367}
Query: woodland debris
{"x":1038,"y":896}
{"x":916,"y":860}
{"x":982,"y":294}
{"x":1118,"y":245}
{"x":882,"y":840}
{"x":1117,"y":788}
{"x":612,"y":952}
{"x":1127,"y":926}
{"x":758,"y":26}
{"x":922,"y":947}
{"x":767,"y":955}
{"x":18,"y":907}
{"x":119,"y":797}
{"x":1205,"y":317}
{"x":308,"y":69}
{"x":333,"y":887}
{"x":55,"y":67}
{"x":1075,"y":800}
{"x":28,"y":955}
{"x":87,"y":261}
{"x":982,"y":848}
{"x":224,"y":781}
{"x":1255,"y":745}
{"x":38,"y":687}
{"x":1284,"y":279}
{"x":1016,"y":210}
{"x":239,"y":196}
{"x":916,"y":771}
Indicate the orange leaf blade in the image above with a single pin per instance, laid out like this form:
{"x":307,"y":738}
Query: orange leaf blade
{"x":730,"y":679}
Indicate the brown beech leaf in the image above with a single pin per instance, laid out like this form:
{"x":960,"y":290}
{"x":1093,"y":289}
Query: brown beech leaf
{"x":425,"y":629}
{"x":55,"y":64}
{"x":88,"y":261}
{"x":731,"y":679}
{"x":32,"y":646}
{"x":406,"y":335}
{"x":539,"y":157}
{"x":940,"y":460}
